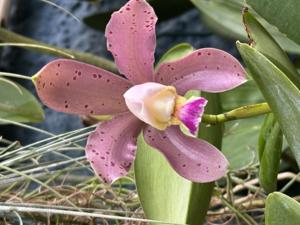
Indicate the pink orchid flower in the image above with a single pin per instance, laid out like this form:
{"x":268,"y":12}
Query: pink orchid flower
{"x":149,"y":101}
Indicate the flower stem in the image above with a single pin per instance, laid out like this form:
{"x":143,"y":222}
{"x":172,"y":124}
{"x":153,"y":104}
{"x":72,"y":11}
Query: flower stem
{"x":239,"y":113}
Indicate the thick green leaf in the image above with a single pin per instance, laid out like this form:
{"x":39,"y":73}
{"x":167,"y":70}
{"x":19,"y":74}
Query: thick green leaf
{"x":165,"y":10}
{"x":18,"y":104}
{"x":283,"y":14}
{"x":265,"y":44}
{"x":225,"y":18}
{"x":282,"y":210}
{"x":270,"y":152}
{"x":281,"y":94}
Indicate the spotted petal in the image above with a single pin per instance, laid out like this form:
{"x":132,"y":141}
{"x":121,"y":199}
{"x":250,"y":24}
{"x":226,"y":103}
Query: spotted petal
{"x":78,"y":88}
{"x":206,"y":69}
{"x":111,"y":147}
{"x":192,"y":158}
{"x":131,"y":38}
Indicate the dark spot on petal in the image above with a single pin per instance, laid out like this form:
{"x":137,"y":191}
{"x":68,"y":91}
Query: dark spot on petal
{"x":68,"y":84}
{"x":79,"y":73}
{"x":92,"y":111}
{"x":102,"y":157}
{"x":184,"y":165}
{"x":86,"y":106}
{"x":95,"y":75}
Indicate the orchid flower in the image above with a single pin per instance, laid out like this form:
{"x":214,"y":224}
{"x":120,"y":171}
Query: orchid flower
{"x":151,"y":101}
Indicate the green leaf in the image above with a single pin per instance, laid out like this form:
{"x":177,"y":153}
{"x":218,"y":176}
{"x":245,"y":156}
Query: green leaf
{"x":282,"y":14}
{"x":225,"y":18}
{"x":262,"y":41}
{"x":281,"y":94}
{"x":270,"y":154}
{"x":11,"y":37}
{"x":162,"y":10}
{"x":240,"y":142}
{"x":18,"y":104}
{"x":165,"y":195}
{"x":175,"y":53}
{"x":246,"y":94}
{"x":282,"y":210}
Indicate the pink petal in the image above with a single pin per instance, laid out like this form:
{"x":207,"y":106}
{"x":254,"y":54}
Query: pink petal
{"x":131,"y":38}
{"x":206,"y":69}
{"x":111,"y":147}
{"x":192,"y":158}
{"x":74,"y":87}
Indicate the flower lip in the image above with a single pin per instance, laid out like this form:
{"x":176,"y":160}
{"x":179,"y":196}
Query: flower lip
{"x":152,"y":103}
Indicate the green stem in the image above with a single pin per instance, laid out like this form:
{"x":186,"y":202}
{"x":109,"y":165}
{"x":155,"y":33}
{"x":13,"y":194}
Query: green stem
{"x":239,"y":113}
{"x":11,"y":37}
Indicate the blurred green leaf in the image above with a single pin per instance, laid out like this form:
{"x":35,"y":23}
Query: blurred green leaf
{"x":281,"y":210}
{"x":270,"y":149}
{"x":246,"y":94}
{"x":281,"y":94}
{"x":262,"y":41}
{"x":11,"y":37}
{"x":18,"y":104}
{"x":240,"y":142}
{"x":225,"y":18}
{"x":282,"y":14}
{"x":165,"y":10}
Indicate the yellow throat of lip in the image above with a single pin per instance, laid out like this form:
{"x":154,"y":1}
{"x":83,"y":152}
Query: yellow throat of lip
{"x":163,"y":107}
